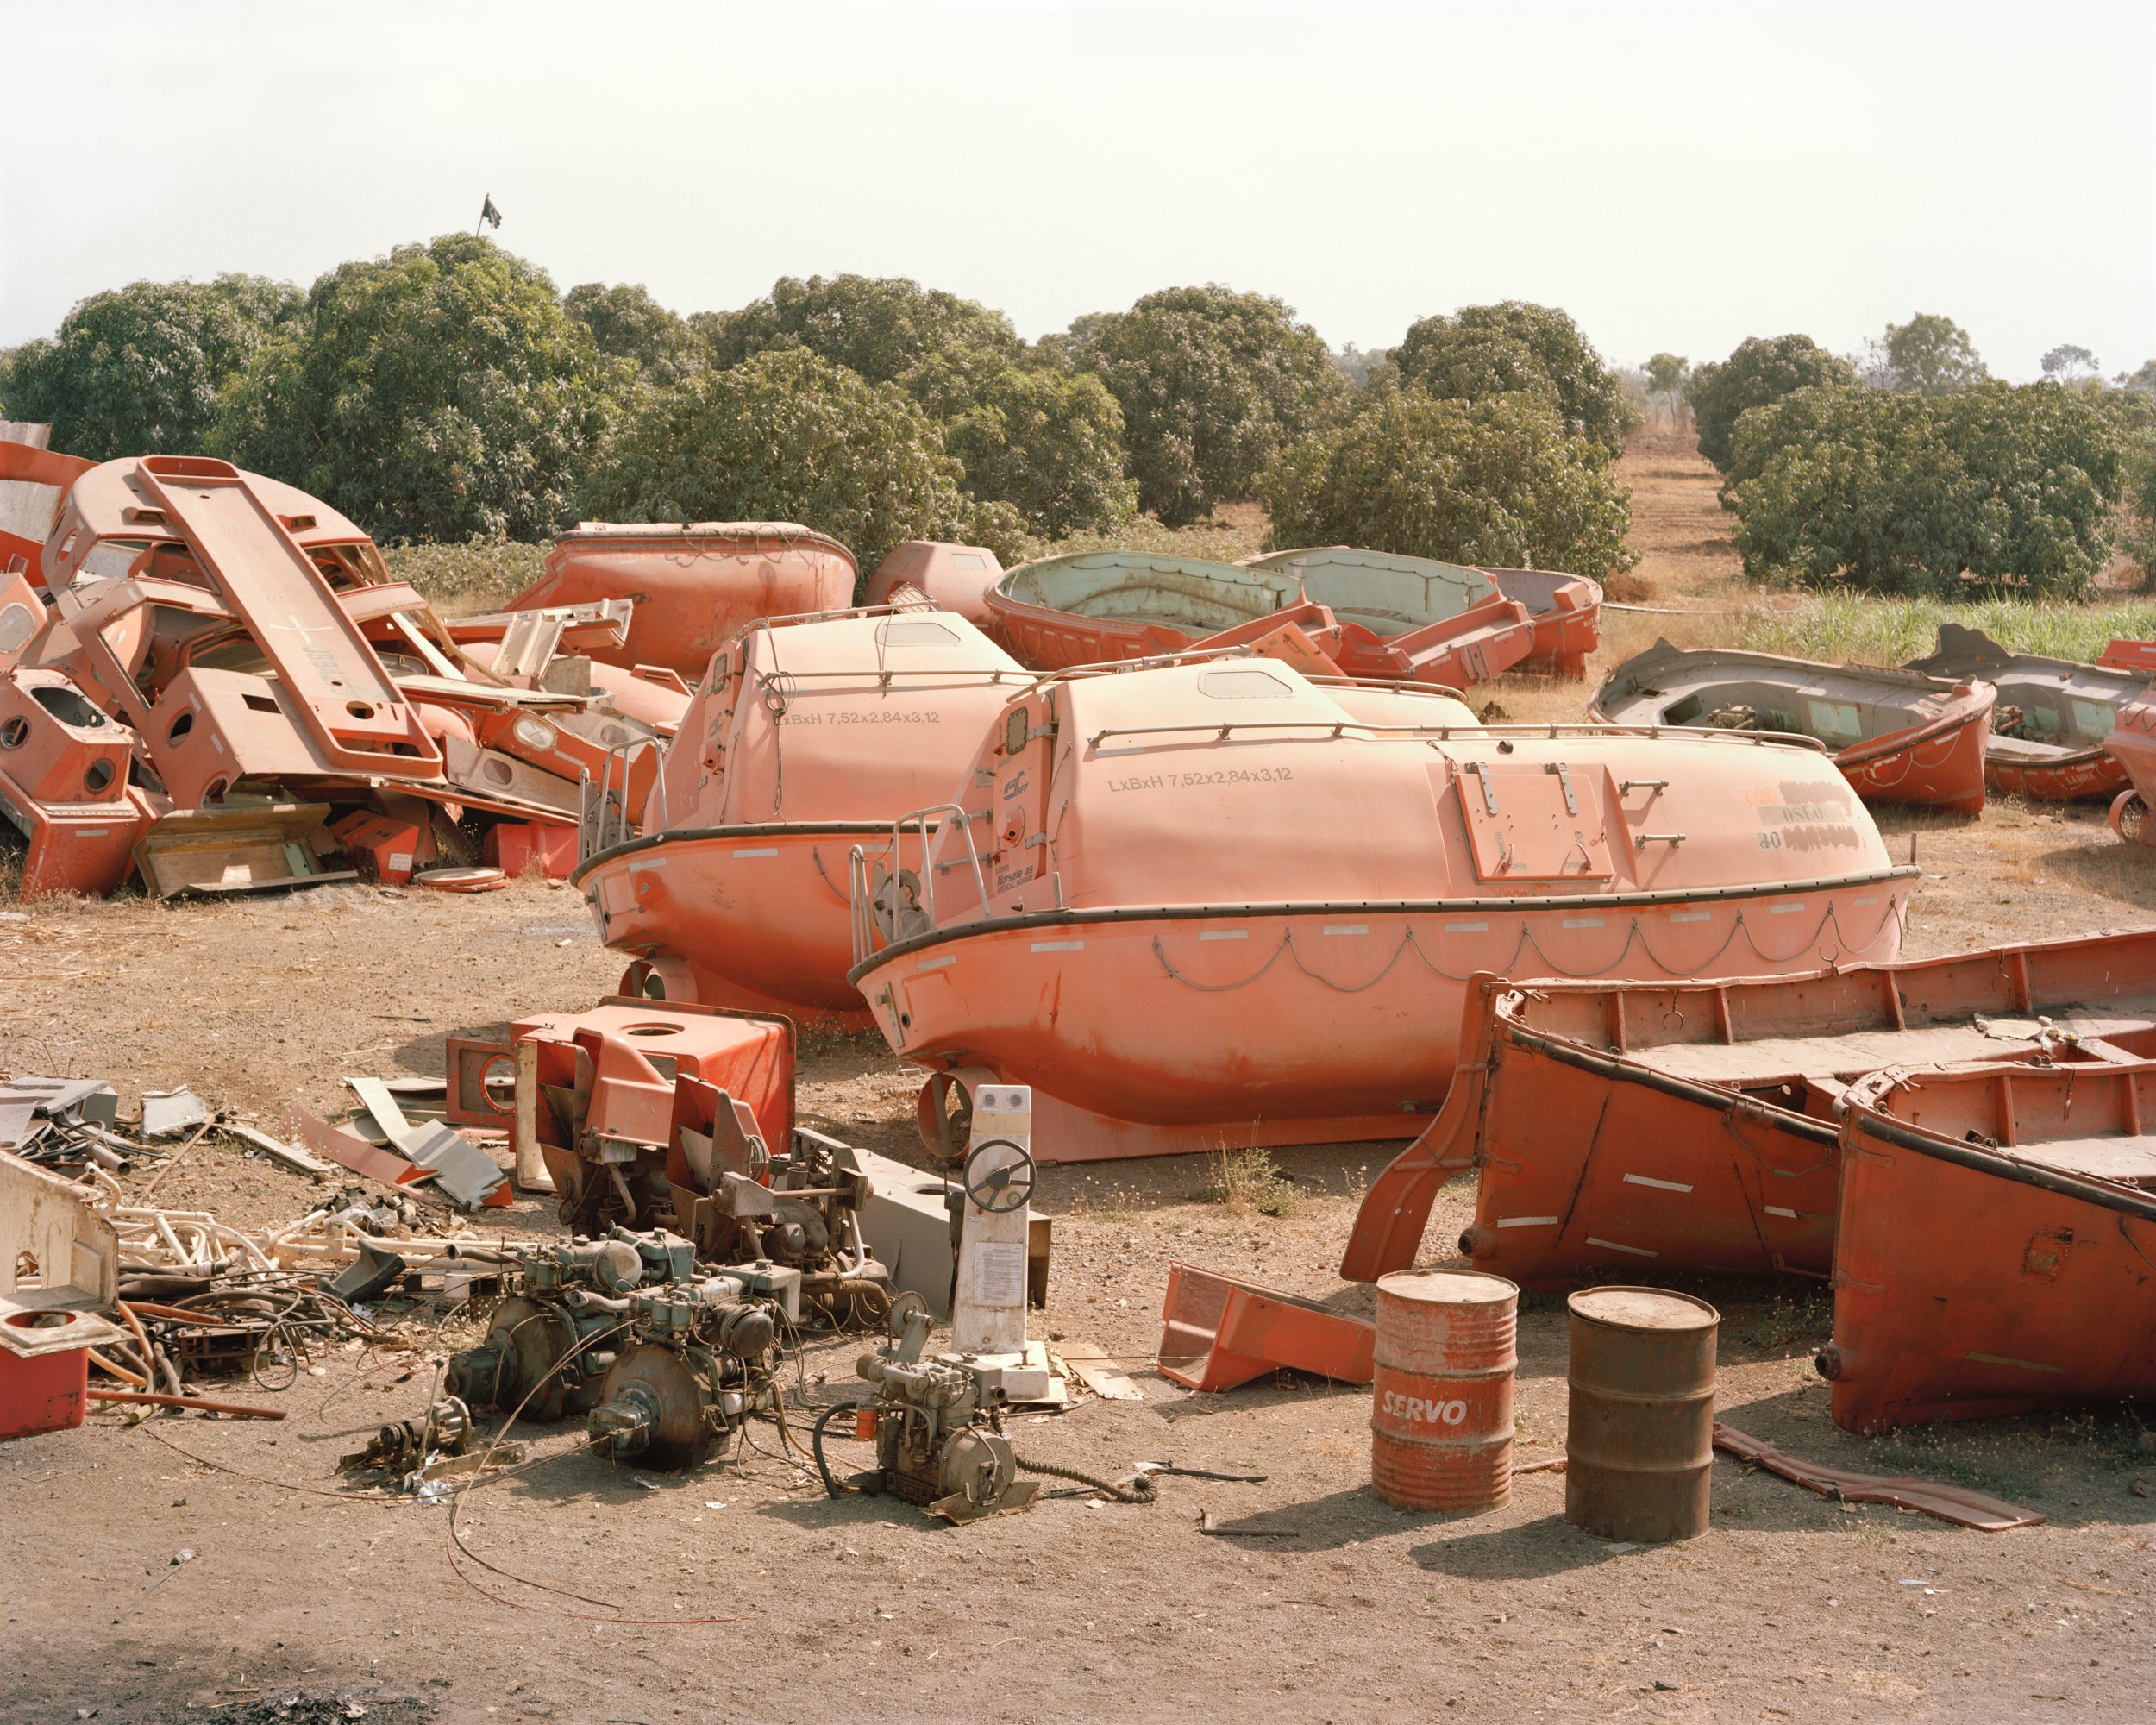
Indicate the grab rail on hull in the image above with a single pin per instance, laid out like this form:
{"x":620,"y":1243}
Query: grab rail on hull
{"x":604,"y":818}
{"x":911,"y":908}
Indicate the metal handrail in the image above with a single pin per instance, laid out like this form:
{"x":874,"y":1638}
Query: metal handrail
{"x":1341,"y":727}
{"x":605,"y":820}
{"x":861,"y":883}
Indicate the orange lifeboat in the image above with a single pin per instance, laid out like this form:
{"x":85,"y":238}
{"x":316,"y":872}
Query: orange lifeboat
{"x":808,"y":736}
{"x":1898,"y":735}
{"x":1219,"y":903}
{"x":694,"y":586}
{"x":952,"y":577}
{"x":2054,"y":717}
{"x":1566,"y":612}
{"x":1689,"y":1126}
{"x":1998,"y":1231}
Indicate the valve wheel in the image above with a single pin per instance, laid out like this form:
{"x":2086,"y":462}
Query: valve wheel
{"x":1000,"y":1190}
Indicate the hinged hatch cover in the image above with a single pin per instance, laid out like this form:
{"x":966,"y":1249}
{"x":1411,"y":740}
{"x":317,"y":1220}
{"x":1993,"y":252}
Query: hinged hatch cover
{"x":1534,"y":820}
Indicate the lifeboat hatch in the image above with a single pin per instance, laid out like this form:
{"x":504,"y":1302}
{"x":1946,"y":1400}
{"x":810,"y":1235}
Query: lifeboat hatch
{"x":1534,"y":821}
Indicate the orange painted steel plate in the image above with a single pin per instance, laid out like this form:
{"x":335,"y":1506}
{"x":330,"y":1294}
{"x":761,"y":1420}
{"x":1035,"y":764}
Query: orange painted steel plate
{"x":1998,"y":1225}
{"x":461,"y":880}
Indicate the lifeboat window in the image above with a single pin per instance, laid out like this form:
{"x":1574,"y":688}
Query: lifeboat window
{"x":111,"y":559}
{"x":28,"y":505}
{"x":1242,"y":684}
{"x":1014,"y":731}
{"x":914,"y":631}
{"x":1834,"y":721}
{"x":967,"y":560}
{"x":2094,"y":718}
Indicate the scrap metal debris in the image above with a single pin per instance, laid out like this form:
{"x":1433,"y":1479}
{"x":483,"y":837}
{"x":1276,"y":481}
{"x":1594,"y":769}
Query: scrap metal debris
{"x":1955,"y":1504}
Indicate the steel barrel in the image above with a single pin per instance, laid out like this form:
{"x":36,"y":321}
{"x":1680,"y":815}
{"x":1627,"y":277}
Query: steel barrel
{"x":1640,"y":1443}
{"x":1441,"y":1419}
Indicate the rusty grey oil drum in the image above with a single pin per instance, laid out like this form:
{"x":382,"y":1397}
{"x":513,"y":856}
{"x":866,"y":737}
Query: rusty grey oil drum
{"x":1441,"y":1408}
{"x":1640,"y":1444}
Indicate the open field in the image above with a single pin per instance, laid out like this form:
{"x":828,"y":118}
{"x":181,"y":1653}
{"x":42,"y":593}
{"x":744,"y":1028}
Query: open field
{"x":1319,"y":1604}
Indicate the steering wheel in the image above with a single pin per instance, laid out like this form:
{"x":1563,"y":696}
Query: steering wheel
{"x":1000,"y":1190}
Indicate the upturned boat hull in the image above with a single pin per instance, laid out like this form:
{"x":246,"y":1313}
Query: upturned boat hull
{"x":694,"y":586}
{"x":1997,"y":1244}
{"x":1691,"y":1127}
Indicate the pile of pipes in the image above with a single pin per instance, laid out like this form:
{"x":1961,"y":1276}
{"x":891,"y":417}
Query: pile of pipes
{"x":209,"y":680}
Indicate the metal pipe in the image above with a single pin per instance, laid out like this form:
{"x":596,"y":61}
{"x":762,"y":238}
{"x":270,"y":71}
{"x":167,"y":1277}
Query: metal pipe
{"x":241,"y":1409}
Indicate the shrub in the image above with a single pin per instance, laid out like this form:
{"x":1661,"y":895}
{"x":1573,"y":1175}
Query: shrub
{"x":1213,"y":385}
{"x":1993,"y":486}
{"x":439,"y":393}
{"x":1498,"y":482}
{"x":1762,"y":371}
{"x":628,"y":324}
{"x":137,"y":371}
{"x":880,"y":327}
{"x":1049,"y":442}
{"x":784,"y":437}
{"x":1516,"y":348}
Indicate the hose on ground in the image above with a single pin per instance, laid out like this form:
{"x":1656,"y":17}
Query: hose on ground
{"x":816,"y":1443}
{"x":1140,"y":1491}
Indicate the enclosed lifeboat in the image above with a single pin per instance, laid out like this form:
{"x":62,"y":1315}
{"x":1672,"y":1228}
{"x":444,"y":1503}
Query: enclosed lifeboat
{"x":807,"y":736}
{"x":1417,"y":608}
{"x":694,"y":586}
{"x":1898,"y":735}
{"x":2054,"y":717}
{"x":1217,"y":904}
{"x":1997,"y":1247}
{"x":1689,"y":1126}
{"x":950,"y":577}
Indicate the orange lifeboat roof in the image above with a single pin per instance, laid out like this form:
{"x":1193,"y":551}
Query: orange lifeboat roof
{"x":850,"y":717}
{"x":1241,"y":782}
{"x":733,"y":535}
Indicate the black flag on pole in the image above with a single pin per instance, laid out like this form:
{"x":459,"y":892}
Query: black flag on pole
{"x":489,"y":216}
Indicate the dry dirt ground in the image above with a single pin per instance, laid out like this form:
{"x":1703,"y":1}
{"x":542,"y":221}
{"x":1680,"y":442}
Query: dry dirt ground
{"x":308,"y":1600}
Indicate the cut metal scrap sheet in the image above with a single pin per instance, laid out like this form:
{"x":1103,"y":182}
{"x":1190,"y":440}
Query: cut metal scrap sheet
{"x":1954,"y":1503}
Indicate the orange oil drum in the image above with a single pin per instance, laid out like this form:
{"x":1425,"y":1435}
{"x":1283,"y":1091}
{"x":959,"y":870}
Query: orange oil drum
{"x":1639,"y":1437}
{"x":1441,"y":1419}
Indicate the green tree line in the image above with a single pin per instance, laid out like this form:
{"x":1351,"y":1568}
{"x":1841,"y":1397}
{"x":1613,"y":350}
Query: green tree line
{"x":449,"y":391}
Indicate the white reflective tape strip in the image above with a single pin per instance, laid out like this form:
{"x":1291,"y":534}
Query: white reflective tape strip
{"x":1583,"y":922}
{"x":759,"y":850}
{"x":1526,"y":1222}
{"x":1777,"y":1210}
{"x":1659,"y":1185}
{"x":92,"y":831}
{"x":937,"y":964}
{"x":1690,"y":916}
{"x":1467,"y":928}
{"x":1225,"y":934}
{"x":643,"y":862}
{"x":1784,"y":910}
{"x":1612,"y":1245}
{"x":2000,"y":1360}
{"x":1059,"y":946}
{"x":1347,"y":928}
{"x":1868,"y":899}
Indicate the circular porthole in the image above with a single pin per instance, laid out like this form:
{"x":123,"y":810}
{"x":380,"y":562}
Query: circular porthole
{"x":98,"y":776}
{"x":181,"y":726}
{"x":14,"y":733}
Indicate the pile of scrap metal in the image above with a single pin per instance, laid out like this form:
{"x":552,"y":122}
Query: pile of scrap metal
{"x":209,"y":678}
{"x":642,"y":1115}
{"x":399,"y":1136}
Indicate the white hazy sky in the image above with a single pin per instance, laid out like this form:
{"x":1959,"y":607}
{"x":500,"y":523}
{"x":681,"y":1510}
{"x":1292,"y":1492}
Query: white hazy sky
{"x":1676,"y":176}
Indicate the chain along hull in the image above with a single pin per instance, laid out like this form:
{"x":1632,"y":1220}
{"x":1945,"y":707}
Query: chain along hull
{"x":1213,"y":1028}
{"x":1987,"y":1265}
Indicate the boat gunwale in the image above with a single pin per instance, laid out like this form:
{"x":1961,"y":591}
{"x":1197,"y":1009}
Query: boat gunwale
{"x":1108,"y":914}
{"x":1859,"y":1120}
{"x":1744,"y":656}
{"x":762,"y":829}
